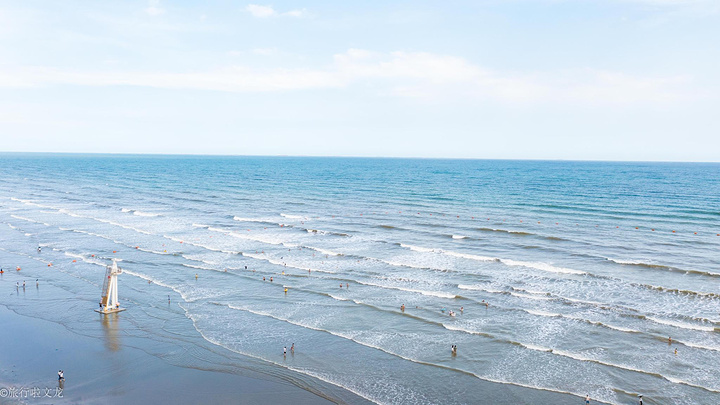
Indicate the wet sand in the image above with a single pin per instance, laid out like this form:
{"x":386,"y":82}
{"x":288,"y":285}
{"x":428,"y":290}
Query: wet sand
{"x":33,"y":350}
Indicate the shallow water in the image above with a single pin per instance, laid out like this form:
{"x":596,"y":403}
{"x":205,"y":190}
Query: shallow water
{"x":588,"y":267}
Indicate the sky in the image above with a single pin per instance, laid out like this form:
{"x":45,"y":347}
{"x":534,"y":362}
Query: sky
{"x":488,"y":79}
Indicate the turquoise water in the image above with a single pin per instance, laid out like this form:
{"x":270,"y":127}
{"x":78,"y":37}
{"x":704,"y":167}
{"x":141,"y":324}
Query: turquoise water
{"x":588,"y":267}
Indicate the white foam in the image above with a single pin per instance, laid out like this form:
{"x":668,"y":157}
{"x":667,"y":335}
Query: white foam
{"x":324,"y":251}
{"x":542,"y":313}
{"x":541,"y":266}
{"x":423,"y":292}
{"x":292,"y":216}
{"x":145,"y":214}
{"x":241,"y":219}
{"x":459,"y":237}
{"x":682,"y":325}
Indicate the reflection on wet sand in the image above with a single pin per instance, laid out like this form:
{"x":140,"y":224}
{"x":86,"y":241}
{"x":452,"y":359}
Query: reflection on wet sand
{"x":110,"y":323}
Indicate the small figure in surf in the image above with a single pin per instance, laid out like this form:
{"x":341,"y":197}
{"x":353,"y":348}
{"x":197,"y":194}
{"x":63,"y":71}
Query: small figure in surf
{"x":402,"y":307}
{"x":292,"y":349}
{"x":453,"y":348}
{"x":284,"y":351}
{"x":461,"y":309}
{"x":196,"y":276}
{"x":39,"y":249}
{"x":271,"y":279}
{"x":587,"y":399}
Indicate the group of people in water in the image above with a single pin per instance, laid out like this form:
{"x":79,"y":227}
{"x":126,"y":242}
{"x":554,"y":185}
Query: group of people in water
{"x":292,"y":350}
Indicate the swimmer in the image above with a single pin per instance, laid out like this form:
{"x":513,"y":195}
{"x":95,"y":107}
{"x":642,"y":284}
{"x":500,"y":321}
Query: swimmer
{"x":196,"y":276}
{"x":263,"y":278}
{"x":286,"y":290}
{"x":669,"y":340}
{"x":453,"y":348}
{"x":340,"y":285}
{"x":347,"y":285}
{"x":271,"y":279}
{"x":676,"y":351}
{"x":461,"y":309}
{"x":402,"y":307}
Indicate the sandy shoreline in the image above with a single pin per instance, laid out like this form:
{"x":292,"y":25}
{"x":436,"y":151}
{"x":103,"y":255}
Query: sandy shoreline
{"x":33,"y":350}
{"x":135,"y":357}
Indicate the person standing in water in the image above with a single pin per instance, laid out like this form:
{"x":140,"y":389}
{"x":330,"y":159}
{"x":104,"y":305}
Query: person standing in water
{"x":587,"y":399}
{"x":402,"y":307}
{"x":292,"y":348}
{"x":284,"y":351}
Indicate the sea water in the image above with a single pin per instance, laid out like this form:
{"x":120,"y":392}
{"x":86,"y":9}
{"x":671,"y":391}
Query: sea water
{"x":571,"y":275}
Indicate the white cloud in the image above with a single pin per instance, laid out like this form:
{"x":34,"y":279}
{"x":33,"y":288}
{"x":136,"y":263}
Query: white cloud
{"x":297,"y":13}
{"x":154,"y":8}
{"x":259,"y":11}
{"x":264,"y":51}
{"x":402,"y":74}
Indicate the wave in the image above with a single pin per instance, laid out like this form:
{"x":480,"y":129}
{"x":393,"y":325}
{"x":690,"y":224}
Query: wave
{"x":145,"y":214}
{"x":662,"y":267}
{"x":323,"y":251}
{"x":459,"y":237}
{"x":289,"y":216}
{"x":543,"y":313}
{"x":682,"y":325}
{"x":437,"y":294}
{"x":541,"y":266}
{"x":85,"y":259}
{"x":535,"y":265}
{"x":449,"y":253}
{"x":262,"y":220}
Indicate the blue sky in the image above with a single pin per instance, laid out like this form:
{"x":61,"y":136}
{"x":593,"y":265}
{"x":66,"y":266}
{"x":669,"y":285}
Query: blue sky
{"x":518,"y":79}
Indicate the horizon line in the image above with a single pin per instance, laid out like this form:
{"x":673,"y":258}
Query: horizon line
{"x":200,"y":155}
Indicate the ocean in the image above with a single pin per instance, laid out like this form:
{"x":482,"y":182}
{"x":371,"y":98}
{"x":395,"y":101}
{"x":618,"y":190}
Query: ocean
{"x":571,"y":276}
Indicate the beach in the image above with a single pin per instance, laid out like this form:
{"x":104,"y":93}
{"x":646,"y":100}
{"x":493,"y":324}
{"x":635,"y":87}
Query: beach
{"x":113,"y":370}
{"x":564,"y":279}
